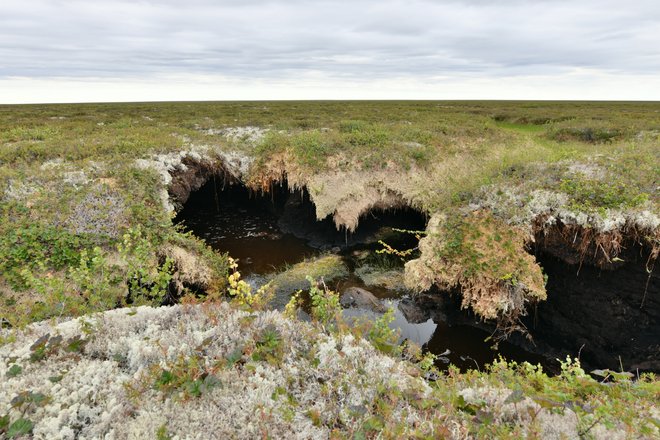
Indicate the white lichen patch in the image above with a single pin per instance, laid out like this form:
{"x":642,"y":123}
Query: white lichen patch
{"x":411,"y":145}
{"x":248,"y":134}
{"x":237,"y":163}
{"x":521,"y":207}
{"x":590,"y":170}
{"x":106,"y":386}
{"x":506,"y":408}
{"x":129,"y":373}
{"x":21,"y":190}
{"x":53,"y":163}
{"x":165,"y":164}
{"x":76,"y":178}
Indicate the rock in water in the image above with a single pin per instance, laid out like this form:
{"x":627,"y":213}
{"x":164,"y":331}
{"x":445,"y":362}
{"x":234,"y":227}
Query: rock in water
{"x":361,"y":298}
{"x":413,"y":312}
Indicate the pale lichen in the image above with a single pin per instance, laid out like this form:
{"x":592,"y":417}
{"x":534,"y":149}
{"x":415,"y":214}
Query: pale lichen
{"x":91,"y":396}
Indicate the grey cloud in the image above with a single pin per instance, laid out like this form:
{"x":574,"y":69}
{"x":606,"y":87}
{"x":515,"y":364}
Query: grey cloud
{"x":362,"y":38}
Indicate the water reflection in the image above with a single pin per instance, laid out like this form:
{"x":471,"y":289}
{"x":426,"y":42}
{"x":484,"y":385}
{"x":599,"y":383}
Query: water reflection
{"x":418,"y":333}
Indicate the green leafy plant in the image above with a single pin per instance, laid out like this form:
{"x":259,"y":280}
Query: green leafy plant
{"x":325,"y":303}
{"x":243,"y":294}
{"x":93,"y":278}
{"x":269,"y":345}
{"x":14,"y":371}
{"x":20,"y":427}
{"x":382,"y":336}
{"x":148,"y":282}
{"x":162,"y":433}
{"x":32,"y":246}
{"x":187,"y":376}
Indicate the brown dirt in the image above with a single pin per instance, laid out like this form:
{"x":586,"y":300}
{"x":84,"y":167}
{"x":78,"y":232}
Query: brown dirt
{"x":575,"y":244}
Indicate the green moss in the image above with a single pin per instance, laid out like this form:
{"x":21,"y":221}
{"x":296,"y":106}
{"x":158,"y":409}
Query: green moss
{"x":328,"y":267}
{"x":592,"y":194}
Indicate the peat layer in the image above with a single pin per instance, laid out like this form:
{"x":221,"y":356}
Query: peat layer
{"x":609,"y":314}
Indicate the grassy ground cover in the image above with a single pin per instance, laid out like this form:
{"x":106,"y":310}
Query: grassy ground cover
{"x":84,"y":226}
{"x":71,"y":188}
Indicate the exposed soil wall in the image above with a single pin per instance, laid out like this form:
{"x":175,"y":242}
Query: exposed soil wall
{"x":612,"y":315}
{"x":192,"y":175}
{"x":575,"y":244}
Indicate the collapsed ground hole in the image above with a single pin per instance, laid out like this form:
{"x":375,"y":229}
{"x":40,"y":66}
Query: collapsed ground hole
{"x":267,"y":231}
{"x":607,"y":317}
{"x":272,"y":231}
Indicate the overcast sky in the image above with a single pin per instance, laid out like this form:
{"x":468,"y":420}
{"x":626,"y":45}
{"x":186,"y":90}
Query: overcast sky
{"x":110,"y":50}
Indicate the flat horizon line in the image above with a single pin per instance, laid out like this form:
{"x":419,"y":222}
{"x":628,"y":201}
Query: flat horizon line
{"x":631,"y":101}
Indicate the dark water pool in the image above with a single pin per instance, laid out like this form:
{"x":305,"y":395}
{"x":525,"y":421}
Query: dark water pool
{"x":248,"y":231}
{"x":259,"y":230}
